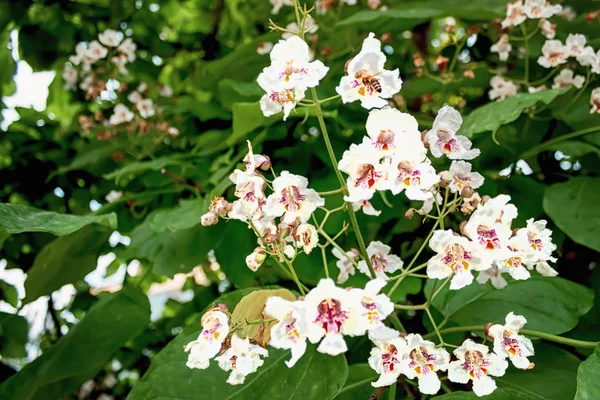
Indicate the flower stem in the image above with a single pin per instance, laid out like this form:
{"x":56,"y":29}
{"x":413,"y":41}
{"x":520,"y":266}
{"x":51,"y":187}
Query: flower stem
{"x":352,"y":215}
{"x":392,"y":394}
{"x":526,"y":53}
{"x":543,"y":146}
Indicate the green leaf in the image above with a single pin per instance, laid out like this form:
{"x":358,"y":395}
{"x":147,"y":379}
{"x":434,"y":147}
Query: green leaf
{"x":588,"y":384}
{"x":8,"y":293}
{"x":358,"y":385}
{"x":552,"y":365}
{"x":15,"y":218}
{"x":573,"y":207}
{"x":65,"y":260}
{"x":107,"y":326}
{"x":123,"y":175}
{"x":493,"y":115}
{"x":498,"y":394}
{"x":551,"y":305}
{"x":13,"y":335}
{"x":185,"y":216}
{"x":315,"y":376}
{"x":575,"y":149}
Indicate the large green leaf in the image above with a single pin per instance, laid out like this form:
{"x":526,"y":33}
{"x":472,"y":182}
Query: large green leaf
{"x":498,"y":394}
{"x":315,"y":376}
{"x":65,"y":260}
{"x":185,"y":216}
{"x":13,"y":335}
{"x":550,"y":305}
{"x":125,"y":174}
{"x":493,"y":115}
{"x":573,"y":208}
{"x":107,"y":326}
{"x":588,"y":382}
{"x":15,"y":218}
{"x":358,"y":385}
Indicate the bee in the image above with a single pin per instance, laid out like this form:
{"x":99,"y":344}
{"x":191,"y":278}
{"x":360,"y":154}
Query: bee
{"x":369,"y":81}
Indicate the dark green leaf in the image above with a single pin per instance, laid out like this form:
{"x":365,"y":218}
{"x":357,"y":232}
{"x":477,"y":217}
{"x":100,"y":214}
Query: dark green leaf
{"x":185,"y":216}
{"x":358,"y":385}
{"x":13,"y":335}
{"x":588,"y":384}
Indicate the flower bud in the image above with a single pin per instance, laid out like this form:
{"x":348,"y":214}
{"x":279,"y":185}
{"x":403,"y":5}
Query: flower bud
{"x":462,"y":228}
{"x":255,"y":259}
{"x":469,"y":74}
{"x":418,"y":60}
{"x":487,"y":331}
{"x":442,"y":62}
{"x":219,"y":206}
{"x":467,"y":192}
{"x":209,"y":219}
{"x":409,"y":213}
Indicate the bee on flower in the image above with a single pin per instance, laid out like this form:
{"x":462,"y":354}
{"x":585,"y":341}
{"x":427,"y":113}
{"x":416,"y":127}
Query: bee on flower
{"x":509,"y":344}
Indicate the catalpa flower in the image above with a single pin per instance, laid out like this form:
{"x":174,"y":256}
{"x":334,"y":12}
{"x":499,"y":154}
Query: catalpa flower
{"x":508,"y":342}
{"x":365,"y":172}
{"x":502,"y":88}
{"x":292,"y":198}
{"x":306,"y":237}
{"x":553,"y":53}
{"x":575,"y":44}
{"x":460,"y":176}
{"x":382,"y":261}
{"x":291,"y":67}
{"x":127,"y":47}
{"x":289,"y":333}
{"x":366,"y":207}
{"x":587,"y":58}
{"x":120,"y":62}
{"x":442,"y":137}
{"x":277,"y":4}
{"x":540,"y":9}
{"x":95,"y":52}
{"x":284,"y":100}
{"x":110,"y":38}
{"x":515,"y":14}
{"x":415,"y":176}
{"x":548,"y":29}
{"x":215,"y":327}
{"x":389,"y":130}
{"x":70,"y":77}
{"x":456,"y":256}
{"x":536,"y":241}
{"x":374,"y":307}
{"x":80,"y":53}
{"x":502,"y":47}
{"x":331,"y":312}
{"x":476,"y":363}
{"x":242,"y":359}
{"x":386,"y":359}
{"x":595,"y":101}
{"x":264,"y":48}
{"x":566,"y":77}
{"x":145,"y":108}
{"x":513,"y":264}
{"x":344,"y":263}
{"x":423,"y":362}
{"x":367,"y":80}
{"x":494,"y":275}
{"x":120,"y":114}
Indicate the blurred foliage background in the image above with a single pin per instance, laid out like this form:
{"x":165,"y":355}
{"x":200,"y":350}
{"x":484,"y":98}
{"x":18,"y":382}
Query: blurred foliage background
{"x":106,"y":292}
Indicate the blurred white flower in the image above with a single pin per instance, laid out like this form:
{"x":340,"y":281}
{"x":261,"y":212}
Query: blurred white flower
{"x":110,"y":38}
{"x":120,"y":115}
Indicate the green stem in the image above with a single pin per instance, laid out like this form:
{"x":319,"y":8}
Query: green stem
{"x":522,"y":26}
{"x":392,"y":394}
{"x":459,"y":47}
{"x":353,"y":220}
{"x":579,"y":93}
{"x":543,"y":146}
{"x":330,"y":192}
{"x":325,"y":267}
{"x":403,"y":307}
{"x":528,"y":332}
{"x":355,"y":385}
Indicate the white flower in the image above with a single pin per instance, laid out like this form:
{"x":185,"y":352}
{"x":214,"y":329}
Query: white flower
{"x":502,"y":47}
{"x":416,"y":177}
{"x":513,"y":264}
{"x":587,"y":57}
{"x":145,"y":108}
{"x":374,"y":307}
{"x":165,"y":90}
{"x":142,"y":87}
{"x":242,"y":359}
{"x":456,"y":255}
{"x":128,"y":49}
{"x":80,"y":53}
{"x":120,"y":114}
{"x":292,"y":198}
{"x":215,"y":327}
{"x":306,"y":237}
{"x":476,"y":363}
{"x":249,"y":188}
{"x":548,"y":29}
{"x":277,"y":4}
{"x":291,"y":67}
{"x":442,"y":137}
{"x":255,"y":259}
{"x":508,"y":342}
{"x":87,"y":82}
{"x":566,"y":78}
{"x":494,"y":275}
{"x":386,"y":359}
{"x":110,"y":38}
{"x":273,"y":102}
{"x":70,"y":77}
{"x":595,"y":101}
{"x":367,"y":80}
{"x":567,"y":13}
{"x":309,"y":27}
{"x":575,"y":44}
{"x":120,"y":62}
{"x":134,"y":97}
{"x":344,"y":263}
{"x":291,"y":328}
{"x":423,"y":362}
{"x":366,"y":207}
{"x":264,"y":48}
{"x":502,"y":88}
{"x":95,"y":52}
{"x":460,"y":177}
{"x":382,"y":261}
{"x":515,"y":14}
{"x":113,"y":196}
{"x":331,"y":312}
{"x":540,"y":9}
{"x":389,"y":130}
{"x":536,"y":241}
{"x":365,"y":172}
{"x":429,"y":202}
{"x":554,"y":53}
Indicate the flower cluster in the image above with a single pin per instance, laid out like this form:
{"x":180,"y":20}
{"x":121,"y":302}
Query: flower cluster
{"x":292,"y":201}
{"x":489,"y":245}
{"x":518,"y":12}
